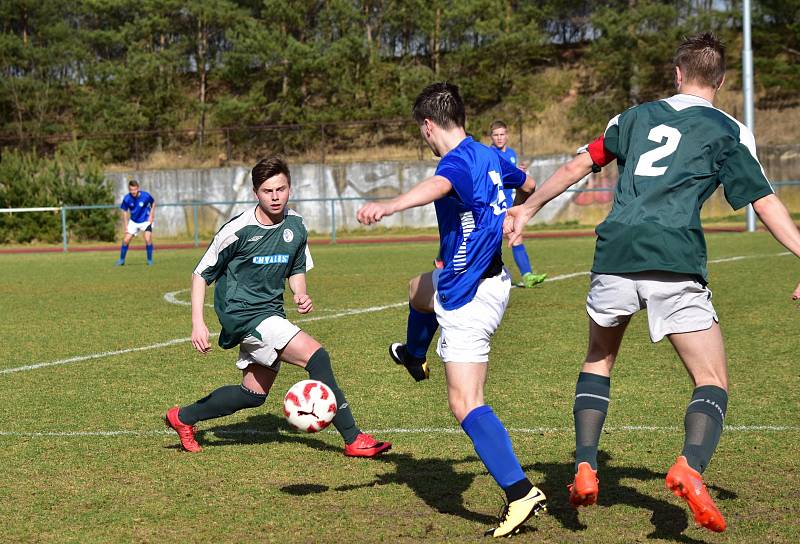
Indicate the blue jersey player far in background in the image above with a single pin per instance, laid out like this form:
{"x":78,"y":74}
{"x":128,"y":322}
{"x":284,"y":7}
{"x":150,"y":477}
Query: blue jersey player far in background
{"x":468,"y":295}
{"x":499,"y":135}
{"x":139,"y":209}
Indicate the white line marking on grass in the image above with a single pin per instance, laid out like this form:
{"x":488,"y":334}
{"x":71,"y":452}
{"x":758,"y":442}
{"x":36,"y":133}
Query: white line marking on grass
{"x":568,"y":276}
{"x":171,"y":297}
{"x":351,"y":312}
{"x":176,"y":341}
{"x":300,"y":320}
{"x":422,"y":430}
{"x":714,"y":261}
{"x":96,"y":356}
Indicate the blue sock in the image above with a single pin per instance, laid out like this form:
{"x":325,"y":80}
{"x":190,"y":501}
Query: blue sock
{"x":521,"y":258}
{"x":149,"y":252}
{"x":123,"y":250}
{"x":493,"y":446}
{"x":420,"y":331}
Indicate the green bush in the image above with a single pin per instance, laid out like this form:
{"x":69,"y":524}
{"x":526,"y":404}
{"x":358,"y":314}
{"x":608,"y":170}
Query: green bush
{"x":69,"y":178}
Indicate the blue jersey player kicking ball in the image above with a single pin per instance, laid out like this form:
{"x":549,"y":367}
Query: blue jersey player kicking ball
{"x":469,"y":294}
{"x":139,"y":210}
{"x":250,"y":258}
{"x":499,"y":135}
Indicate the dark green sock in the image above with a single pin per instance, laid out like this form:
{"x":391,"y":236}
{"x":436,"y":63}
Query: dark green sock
{"x":319,"y":368}
{"x":221,"y":402}
{"x":591,"y":405}
{"x":703,"y":425}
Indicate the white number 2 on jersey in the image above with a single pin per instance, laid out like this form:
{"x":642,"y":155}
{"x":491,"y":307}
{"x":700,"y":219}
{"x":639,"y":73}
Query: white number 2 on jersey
{"x":657,"y":134}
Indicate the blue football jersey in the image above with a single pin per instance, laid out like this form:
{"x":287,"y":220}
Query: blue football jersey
{"x":139,"y":206}
{"x":511,"y":156}
{"x":471,"y":217}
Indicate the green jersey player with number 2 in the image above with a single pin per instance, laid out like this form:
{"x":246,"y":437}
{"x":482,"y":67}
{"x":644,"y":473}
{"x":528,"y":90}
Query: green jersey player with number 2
{"x":672,"y":154}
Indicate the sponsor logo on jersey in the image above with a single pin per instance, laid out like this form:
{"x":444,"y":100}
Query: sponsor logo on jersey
{"x":254,"y":238}
{"x":288,"y":235}
{"x":280,"y":258}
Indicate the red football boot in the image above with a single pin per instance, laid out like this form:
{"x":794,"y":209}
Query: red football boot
{"x":366,"y":446}
{"x":185,"y":432}
{"x":686,"y":482}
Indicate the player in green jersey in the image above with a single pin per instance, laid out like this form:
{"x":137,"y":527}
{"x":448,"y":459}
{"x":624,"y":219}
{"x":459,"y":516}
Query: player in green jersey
{"x":672,"y":154}
{"x":250,"y":258}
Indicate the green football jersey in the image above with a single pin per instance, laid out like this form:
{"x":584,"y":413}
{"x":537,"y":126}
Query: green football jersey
{"x":671,"y":154}
{"x":250,"y":263}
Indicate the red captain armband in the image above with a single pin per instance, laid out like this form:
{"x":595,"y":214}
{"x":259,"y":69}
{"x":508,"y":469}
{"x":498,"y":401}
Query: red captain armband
{"x":599,"y":154}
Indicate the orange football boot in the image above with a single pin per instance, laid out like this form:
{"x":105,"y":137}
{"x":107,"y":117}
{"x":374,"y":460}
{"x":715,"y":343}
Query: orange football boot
{"x":686,"y":482}
{"x":583,"y":491}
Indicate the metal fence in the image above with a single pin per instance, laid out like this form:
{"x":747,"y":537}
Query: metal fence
{"x":331,"y":203}
{"x":194,"y":205}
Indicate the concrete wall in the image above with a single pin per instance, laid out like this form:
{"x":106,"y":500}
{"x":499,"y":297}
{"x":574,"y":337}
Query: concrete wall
{"x":385,"y":179}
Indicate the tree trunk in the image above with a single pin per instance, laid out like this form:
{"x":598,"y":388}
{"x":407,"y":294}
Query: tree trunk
{"x":435,"y":40}
{"x":368,"y":24}
{"x":202,"y":48}
{"x":633,"y":82}
{"x":285,"y":63}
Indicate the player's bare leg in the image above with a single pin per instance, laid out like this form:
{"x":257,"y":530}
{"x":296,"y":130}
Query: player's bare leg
{"x":465,"y":383}
{"x":421,"y":328}
{"x":304,"y":351}
{"x":703,"y":355}
{"x":258,"y":378}
{"x":299,"y":350}
{"x":592,"y":394}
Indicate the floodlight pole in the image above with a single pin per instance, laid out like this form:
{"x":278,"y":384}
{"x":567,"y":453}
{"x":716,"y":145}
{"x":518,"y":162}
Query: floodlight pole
{"x":747,"y":87}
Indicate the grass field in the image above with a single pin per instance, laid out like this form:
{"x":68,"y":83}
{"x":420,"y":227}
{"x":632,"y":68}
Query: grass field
{"x":85,"y":457}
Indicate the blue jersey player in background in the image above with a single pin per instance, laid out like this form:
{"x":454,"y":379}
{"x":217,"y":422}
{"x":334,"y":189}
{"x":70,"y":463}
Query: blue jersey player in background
{"x":499,"y":134}
{"x":468,"y":295}
{"x":139,"y":210}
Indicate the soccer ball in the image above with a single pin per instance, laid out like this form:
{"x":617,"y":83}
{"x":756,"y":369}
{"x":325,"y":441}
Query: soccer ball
{"x":309,"y":406}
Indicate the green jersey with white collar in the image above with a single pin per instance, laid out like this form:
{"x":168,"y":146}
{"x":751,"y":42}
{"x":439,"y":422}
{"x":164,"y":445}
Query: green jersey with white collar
{"x":250,"y":263}
{"x":671,"y":154}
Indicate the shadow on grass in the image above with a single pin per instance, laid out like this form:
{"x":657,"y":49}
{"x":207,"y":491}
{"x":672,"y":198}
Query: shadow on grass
{"x":261,"y":429}
{"x":435,"y":481}
{"x":669,"y":520}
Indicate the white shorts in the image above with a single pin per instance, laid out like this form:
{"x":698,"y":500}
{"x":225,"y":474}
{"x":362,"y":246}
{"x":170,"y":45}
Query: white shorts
{"x":275,"y":332}
{"x":136,"y":228}
{"x":675,"y":302}
{"x":466,"y":332}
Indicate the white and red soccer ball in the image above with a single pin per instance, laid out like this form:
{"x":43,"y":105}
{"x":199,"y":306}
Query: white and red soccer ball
{"x":309,"y":406}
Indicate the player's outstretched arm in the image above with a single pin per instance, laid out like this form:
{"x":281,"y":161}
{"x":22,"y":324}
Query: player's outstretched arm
{"x":425,"y":192}
{"x":566,"y":176}
{"x":152,"y":213}
{"x":297,"y":284}
{"x":776,"y":218}
{"x":199,"y":330}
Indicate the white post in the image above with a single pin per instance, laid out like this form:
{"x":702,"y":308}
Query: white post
{"x":747,"y":87}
